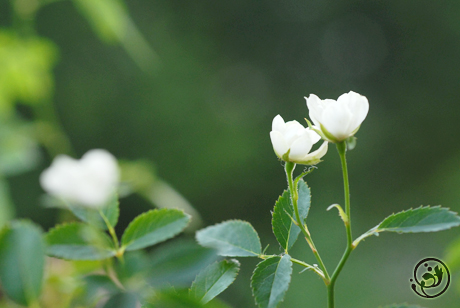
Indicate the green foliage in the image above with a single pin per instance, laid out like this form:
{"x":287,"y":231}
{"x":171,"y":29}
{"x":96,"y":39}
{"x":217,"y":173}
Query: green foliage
{"x":6,"y":205}
{"x":107,"y":17}
{"x":285,"y":230}
{"x":177,"y":263}
{"x":180,"y":299}
{"x":90,"y":215}
{"x":402,"y":306}
{"x":19,"y":152}
{"x":214,"y":279}
{"x":270,"y":281}
{"x":25,"y":70}
{"x":77,"y":241}
{"x":452,"y":256}
{"x":153,"y":227}
{"x":234,"y":238}
{"x":122,"y":300}
{"x":22,"y":258}
{"x":422,"y":219}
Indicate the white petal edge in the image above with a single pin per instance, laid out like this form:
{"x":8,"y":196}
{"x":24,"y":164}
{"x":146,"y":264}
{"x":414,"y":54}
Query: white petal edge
{"x":279,"y":144}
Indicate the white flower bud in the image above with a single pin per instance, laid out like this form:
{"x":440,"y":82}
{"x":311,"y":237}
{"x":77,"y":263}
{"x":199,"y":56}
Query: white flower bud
{"x":292,"y":142}
{"x":339,"y":119}
{"x":90,"y":181}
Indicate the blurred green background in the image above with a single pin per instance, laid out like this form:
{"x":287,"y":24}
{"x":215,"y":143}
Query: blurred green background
{"x":193,"y":87}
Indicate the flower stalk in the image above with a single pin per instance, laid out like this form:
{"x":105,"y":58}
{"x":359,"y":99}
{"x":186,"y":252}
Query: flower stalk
{"x":289,"y":168}
{"x":342,"y":148}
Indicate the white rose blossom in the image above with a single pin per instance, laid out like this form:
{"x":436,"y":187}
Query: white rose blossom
{"x":292,"y":142}
{"x":339,"y":119}
{"x":90,"y":181}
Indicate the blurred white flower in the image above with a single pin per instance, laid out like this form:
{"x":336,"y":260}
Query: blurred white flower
{"x":339,"y":119}
{"x":292,"y":142}
{"x":90,"y":181}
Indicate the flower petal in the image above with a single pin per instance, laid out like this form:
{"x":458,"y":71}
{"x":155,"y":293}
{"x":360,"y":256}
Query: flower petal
{"x":315,"y":108}
{"x":315,"y":157}
{"x":279,"y":144}
{"x":336,"y":119}
{"x":300,"y":148}
{"x":359,"y":107}
{"x":278,"y":124}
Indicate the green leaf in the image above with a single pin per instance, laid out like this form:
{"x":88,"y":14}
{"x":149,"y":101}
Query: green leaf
{"x":270,"y":281}
{"x":77,"y":241}
{"x":402,"y":306}
{"x":422,"y":219}
{"x":6,"y":205}
{"x":92,"y":216}
{"x":122,"y":300}
{"x":286,"y":232}
{"x":22,"y":258}
{"x":234,"y":238}
{"x":177,"y":263}
{"x":214,"y":280}
{"x":452,"y":256}
{"x":173,"y":299}
{"x":153,"y":227}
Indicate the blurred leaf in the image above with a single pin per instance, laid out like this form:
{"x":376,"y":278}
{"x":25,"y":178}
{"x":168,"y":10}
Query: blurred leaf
{"x":107,"y":17}
{"x":214,"y":279}
{"x":153,"y":227}
{"x":25,"y":70}
{"x":422,"y":219}
{"x":270,"y":281}
{"x":76,"y":241}
{"x":22,"y":258}
{"x":285,"y":230}
{"x":178,"y":262}
{"x":111,"y":211}
{"x":123,"y":300}
{"x":19,"y":152}
{"x":135,"y":262}
{"x":234,"y":238}
{"x":173,"y":299}
{"x":112,"y":23}
{"x":6,"y":205}
{"x":453,"y":255}
{"x":402,"y":306}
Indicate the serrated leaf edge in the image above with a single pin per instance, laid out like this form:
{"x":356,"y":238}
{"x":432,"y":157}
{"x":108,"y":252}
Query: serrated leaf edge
{"x":252,"y":289}
{"x":124,"y":246}
{"x":227,"y":221}
{"x":234,"y":261}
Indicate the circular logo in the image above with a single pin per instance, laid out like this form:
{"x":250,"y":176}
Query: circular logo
{"x":431,"y":278}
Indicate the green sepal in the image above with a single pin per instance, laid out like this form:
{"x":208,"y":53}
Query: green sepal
{"x":233,"y":238}
{"x":78,"y":241}
{"x":342,"y":214}
{"x":22,"y":259}
{"x":153,"y":227}
{"x":351,"y":142}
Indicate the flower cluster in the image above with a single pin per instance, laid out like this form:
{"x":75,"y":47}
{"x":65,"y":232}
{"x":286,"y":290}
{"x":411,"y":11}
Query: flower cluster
{"x":334,"y":121}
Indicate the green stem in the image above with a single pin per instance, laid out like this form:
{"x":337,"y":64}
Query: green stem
{"x":111,"y":230}
{"x":289,"y":167}
{"x":342,"y":148}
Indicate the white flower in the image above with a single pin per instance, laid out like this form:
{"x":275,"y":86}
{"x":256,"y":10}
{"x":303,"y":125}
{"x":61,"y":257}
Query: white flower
{"x":292,"y":142}
{"x":90,"y":181}
{"x":339,"y":119}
